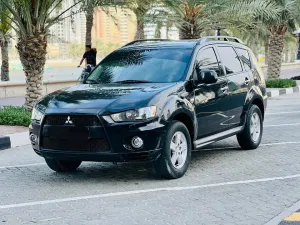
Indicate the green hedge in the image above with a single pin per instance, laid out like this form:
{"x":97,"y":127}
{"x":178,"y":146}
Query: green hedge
{"x":14,"y":116}
{"x":281,"y":83}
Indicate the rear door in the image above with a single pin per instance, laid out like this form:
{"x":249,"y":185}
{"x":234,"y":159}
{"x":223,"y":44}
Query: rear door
{"x":238,"y":75}
{"x":210,"y":99}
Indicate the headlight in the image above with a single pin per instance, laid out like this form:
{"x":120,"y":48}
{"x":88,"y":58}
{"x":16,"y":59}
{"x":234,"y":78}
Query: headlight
{"x":135,"y":115}
{"x":37,"y":115}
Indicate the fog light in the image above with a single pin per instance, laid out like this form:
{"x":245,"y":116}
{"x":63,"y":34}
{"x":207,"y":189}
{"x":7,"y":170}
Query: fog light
{"x":33,"y":138}
{"x":137,"y":142}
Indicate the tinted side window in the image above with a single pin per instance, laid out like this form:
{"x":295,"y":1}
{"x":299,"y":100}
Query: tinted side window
{"x":245,"y":58}
{"x":207,"y":59}
{"x":257,"y":70}
{"x":230,"y":60}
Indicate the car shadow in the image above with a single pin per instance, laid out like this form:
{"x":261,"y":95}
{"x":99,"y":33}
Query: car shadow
{"x":138,"y":171}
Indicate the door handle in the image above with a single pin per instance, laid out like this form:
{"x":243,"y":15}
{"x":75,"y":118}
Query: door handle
{"x":247,"y":81}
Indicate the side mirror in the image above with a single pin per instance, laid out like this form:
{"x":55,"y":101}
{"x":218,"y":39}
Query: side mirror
{"x":206,"y":76}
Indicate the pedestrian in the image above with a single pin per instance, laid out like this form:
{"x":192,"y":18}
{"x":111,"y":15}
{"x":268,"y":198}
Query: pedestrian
{"x":89,"y":55}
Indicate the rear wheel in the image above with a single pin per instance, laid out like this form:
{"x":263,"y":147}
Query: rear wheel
{"x":63,"y":165}
{"x":250,"y":137}
{"x":176,"y":153}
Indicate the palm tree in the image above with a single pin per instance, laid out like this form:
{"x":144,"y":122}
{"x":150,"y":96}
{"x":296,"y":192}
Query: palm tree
{"x":256,"y":36}
{"x":32,"y":20}
{"x":279,"y":26}
{"x":290,"y":42}
{"x":140,"y":9}
{"x":89,"y":14}
{"x":159,"y":25}
{"x":197,"y":16}
{"x":5,"y":27}
{"x":88,"y":6}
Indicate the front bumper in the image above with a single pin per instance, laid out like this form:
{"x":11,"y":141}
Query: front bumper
{"x":118,"y":136}
{"x":151,"y":155}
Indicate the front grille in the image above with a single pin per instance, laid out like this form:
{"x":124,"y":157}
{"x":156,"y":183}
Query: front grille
{"x":76,"y":120}
{"x":70,"y":133}
{"x":89,"y":145}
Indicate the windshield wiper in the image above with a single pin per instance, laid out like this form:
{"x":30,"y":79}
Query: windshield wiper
{"x":132,"y":81}
{"x":91,"y":81}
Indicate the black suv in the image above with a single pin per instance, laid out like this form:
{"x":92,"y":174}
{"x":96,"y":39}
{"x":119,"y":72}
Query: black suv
{"x":154,"y":100}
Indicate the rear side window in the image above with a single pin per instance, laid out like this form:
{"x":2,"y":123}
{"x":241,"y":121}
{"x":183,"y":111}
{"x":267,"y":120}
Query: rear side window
{"x":245,"y":58}
{"x":207,"y":59}
{"x":230,"y":60}
{"x":256,"y":69}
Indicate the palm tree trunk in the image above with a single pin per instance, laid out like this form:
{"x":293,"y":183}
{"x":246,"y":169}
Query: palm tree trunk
{"x":189,"y":30}
{"x":292,"y":56}
{"x":266,"y":52}
{"x":167,"y":31}
{"x":5,"y":61}
{"x":275,"y":55}
{"x":32,"y":51}
{"x":89,"y":26}
{"x":286,"y":55}
{"x":158,"y":30}
{"x":139,"y":30}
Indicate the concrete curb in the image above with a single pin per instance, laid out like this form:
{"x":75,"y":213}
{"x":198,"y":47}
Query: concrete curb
{"x":275,"y":92}
{"x":5,"y":142}
{"x":14,"y":140}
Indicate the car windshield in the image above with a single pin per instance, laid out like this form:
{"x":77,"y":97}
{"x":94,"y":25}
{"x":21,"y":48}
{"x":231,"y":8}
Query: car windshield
{"x":147,"y":65}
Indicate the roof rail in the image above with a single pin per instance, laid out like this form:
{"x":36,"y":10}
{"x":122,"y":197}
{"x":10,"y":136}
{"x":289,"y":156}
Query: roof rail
{"x":146,"y":40}
{"x":225,"y":38}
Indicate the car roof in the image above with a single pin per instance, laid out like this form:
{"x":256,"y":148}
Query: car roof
{"x":187,"y":44}
{"x":178,"y":44}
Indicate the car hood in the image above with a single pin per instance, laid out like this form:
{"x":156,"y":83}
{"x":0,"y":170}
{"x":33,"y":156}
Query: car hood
{"x":111,"y":97}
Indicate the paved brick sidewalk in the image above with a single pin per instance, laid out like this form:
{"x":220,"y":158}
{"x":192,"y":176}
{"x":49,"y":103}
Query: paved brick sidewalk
{"x":16,"y":101}
{"x":6,"y":130}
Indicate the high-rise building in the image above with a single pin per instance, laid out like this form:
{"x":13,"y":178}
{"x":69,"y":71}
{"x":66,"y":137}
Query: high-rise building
{"x":114,"y":25}
{"x":72,"y":28}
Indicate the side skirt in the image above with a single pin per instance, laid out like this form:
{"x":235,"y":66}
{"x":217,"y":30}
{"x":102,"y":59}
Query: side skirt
{"x":217,"y":137}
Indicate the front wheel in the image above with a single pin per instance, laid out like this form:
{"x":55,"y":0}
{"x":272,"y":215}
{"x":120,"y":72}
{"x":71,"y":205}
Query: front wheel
{"x":62,"y":165}
{"x":176,"y":152}
{"x":250,"y":137}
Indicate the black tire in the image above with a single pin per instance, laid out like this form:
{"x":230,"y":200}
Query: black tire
{"x":163,"y":165}
{"x":62,"y":165}
{"x":244,"y":138}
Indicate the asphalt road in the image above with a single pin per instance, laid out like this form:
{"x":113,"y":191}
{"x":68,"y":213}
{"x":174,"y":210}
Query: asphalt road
{"x":224,"y":185}
{"x":49,"y":74}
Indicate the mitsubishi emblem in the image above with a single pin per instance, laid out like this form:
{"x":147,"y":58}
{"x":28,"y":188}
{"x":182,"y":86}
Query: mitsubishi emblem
{"x":69,"y":121}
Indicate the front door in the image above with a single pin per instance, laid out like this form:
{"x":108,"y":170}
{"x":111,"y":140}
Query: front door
{"x":210,"y":99}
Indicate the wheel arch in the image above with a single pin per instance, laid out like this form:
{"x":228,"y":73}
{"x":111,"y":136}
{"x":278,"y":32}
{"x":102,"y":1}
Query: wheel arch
{"x":260,"y":104}
{"x":188,"y":121}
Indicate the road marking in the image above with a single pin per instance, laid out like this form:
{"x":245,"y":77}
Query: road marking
{"x":293,"y":217}
{"x":281,"y":125}
{"x":50,"y":219}
{"x":113,"y":194}
{"x":278,"y":113}
{"x":281,"y":143}
{"x":25,"y":165}
{"x":228,"y":148}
